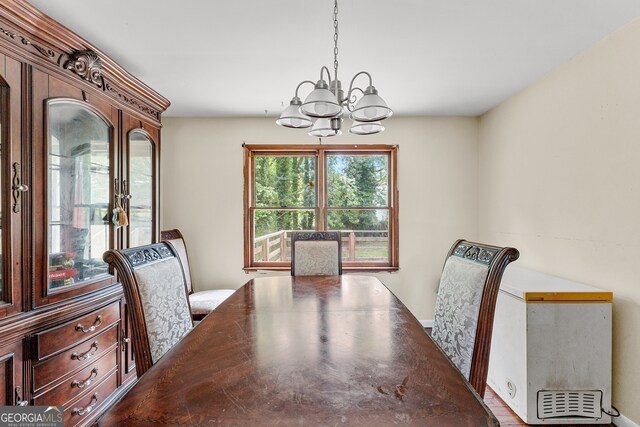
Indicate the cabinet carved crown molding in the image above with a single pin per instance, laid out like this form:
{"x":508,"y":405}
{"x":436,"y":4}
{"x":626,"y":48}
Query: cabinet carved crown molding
{"x":48,"y":53}
{"x":60,"y":50}
{"x":86,"y":64}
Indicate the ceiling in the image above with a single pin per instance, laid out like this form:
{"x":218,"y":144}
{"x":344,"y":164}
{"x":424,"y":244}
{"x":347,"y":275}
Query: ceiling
{"x":426,"y":57}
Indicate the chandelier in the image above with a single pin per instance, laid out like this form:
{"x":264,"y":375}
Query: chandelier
{"x":324,"y":108}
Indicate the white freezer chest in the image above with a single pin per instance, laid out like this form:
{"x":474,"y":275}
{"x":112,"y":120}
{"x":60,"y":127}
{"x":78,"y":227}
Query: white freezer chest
{"x":551,"y":349}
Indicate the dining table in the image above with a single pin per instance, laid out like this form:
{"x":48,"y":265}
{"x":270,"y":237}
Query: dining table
{"x":304,"y":351}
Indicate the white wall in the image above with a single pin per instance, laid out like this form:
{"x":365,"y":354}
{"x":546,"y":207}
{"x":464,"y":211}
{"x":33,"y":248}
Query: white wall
{"x":201,"y":190}
{"x":559,"y":179}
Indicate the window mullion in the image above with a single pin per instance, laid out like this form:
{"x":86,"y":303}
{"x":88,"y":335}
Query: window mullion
{"x":321,"y":208}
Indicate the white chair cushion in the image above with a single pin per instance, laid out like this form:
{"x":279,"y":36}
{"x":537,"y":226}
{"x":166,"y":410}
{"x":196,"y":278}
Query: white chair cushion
{"x":164,"y":301}
{"x":316,"y":258}
{"x":204,"y":302}
{"x":457,"y":310}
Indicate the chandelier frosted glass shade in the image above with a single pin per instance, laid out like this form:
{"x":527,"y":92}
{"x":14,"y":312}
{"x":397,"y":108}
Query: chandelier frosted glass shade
{"x":324,"y":128}
{"x":321,"y":103}
{"x":326,"y":105}
{"x":371,"y":107}
{"x":366,"y":128}
{"x":291,"y":117}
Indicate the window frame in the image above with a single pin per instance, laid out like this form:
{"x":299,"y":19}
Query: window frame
{"x":321,"y":209}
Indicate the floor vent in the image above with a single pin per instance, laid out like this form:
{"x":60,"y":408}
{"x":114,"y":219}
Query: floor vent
{"x":565,"y":403}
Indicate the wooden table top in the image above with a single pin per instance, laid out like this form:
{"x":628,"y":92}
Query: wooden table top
{"x":304,"y":351}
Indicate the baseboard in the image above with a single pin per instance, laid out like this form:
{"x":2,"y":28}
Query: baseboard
{"x":426,"y":323}
{"x":623,"y":421}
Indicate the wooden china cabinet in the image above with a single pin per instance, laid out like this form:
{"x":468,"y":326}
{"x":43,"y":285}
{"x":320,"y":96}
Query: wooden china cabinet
{"x":79,"y":149}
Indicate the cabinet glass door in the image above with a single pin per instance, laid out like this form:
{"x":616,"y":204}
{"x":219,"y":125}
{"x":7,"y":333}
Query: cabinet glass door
{"x":140,"y":189}
{"x":78,"y":194}
{"x":14,"y":193}
{"x":3,"y":144}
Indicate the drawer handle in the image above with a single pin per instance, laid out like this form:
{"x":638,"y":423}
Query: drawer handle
{"x":87,"y":354}
{"x":91,"y":328}
{"x":88,"y":381}
{"x":85,"y":411}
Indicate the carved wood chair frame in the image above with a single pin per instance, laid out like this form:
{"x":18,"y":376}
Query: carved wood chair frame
{"x":497,"y":259}
{"x":171,"y":234}
{"x":125,"y":262}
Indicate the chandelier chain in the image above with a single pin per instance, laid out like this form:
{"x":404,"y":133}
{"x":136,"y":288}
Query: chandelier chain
{"x":335,"y":38}
{"x":324,"y":108}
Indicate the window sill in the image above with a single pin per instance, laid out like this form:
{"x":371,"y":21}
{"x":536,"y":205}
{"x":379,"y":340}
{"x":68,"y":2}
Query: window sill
{"x":345,"y":270}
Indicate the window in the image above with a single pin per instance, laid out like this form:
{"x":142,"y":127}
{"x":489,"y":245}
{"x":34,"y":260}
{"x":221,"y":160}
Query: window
{"x":321,"y":187}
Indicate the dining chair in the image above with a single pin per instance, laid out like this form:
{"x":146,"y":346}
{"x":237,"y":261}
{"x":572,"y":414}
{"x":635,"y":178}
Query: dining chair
{"x":156,"y":292}
{"x":465,"y":306}
{"x":316,"y":253}
{"x":201,"y":302}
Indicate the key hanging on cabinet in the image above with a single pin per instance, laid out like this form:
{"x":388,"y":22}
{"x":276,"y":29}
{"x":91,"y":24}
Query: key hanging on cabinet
{"x":119,"y":217}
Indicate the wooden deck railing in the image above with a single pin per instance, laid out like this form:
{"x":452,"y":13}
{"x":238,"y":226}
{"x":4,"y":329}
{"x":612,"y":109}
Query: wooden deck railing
{"x":272,"y":247}
{"x":276,"y":246}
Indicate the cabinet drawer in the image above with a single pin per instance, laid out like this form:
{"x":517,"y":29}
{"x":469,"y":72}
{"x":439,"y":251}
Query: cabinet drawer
{"x":71,"y":333}
{"x":82,"y":381}
{"x":82,"y":354}
{"x":90,"y":403}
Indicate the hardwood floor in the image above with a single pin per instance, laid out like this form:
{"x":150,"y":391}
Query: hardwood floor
{"x":508,"y":418}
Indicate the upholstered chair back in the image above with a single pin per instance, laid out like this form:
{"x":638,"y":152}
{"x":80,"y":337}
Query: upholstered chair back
{"x":174,"y":237}
{"x":155,"y":288}
{"x":316,"y":253}
{"x":465,"y":306}
{"x":202,"y":302}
